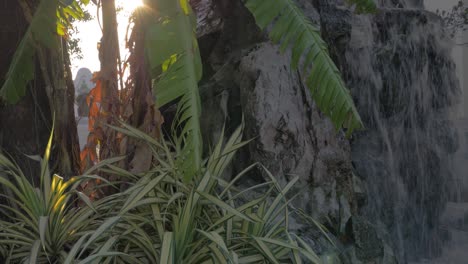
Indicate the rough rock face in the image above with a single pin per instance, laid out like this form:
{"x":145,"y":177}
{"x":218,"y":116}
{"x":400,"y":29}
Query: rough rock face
{"x":247,"y":76}
{"x":209,"y":18}
{"x":292,"y":138}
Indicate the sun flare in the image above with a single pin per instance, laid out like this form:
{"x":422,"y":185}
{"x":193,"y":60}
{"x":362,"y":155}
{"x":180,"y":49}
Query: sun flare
{"x":129,"y":5}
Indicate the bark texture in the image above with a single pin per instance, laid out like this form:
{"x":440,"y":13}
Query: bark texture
{"x":26,"y":126}
{"x":109,"y":57}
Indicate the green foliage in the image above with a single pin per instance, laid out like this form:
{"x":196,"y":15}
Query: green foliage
{"x":158,"y":219}
{"x":290,"y":27}
{"x":51,"y":18}
{"x":207,"y":220}
{"x":175,"y":62}
{"x":72,"y":41}
{"x":70,"y":11}
{"x":174,"y":58}
{"x":38,"y":224}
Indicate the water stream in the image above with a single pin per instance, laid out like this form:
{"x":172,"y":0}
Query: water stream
{"x":403,"y":79}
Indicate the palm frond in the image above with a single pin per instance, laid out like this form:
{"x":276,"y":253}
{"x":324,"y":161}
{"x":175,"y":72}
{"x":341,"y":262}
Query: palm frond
{"x":175,"y":62}
{"x":290,"y":27}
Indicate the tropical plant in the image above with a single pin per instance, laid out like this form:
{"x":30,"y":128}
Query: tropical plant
{"x":159,"y":219}
{"x":182,"y":210}
{"x":290,"y":27}
{"x":175,"y":63}
{"x":172,"y":51}
{"x":38,"y":224}
{"x":176,"y":68}
{"x":209,"y":220}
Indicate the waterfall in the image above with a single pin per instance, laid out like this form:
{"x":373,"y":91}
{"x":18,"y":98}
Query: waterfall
{"x":399,"y":69}
{"x":401,"y":3}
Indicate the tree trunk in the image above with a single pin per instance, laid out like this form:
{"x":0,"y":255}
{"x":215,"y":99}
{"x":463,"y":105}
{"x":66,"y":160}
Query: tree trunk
{"x":26,"y":126}
{"x":109,"y":56}
{"x":62,"y":103}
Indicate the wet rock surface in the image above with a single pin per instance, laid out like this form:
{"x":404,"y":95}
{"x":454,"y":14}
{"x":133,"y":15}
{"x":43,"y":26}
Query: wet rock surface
{"x":367,"y":242}
{"x":397,"y":64}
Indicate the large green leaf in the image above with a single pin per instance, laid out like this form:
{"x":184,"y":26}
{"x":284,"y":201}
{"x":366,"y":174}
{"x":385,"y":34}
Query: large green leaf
{"x":21,"y":71}
{"x":175,"y":62}
{"x":290,"y":27}
{"x":50,"y":19}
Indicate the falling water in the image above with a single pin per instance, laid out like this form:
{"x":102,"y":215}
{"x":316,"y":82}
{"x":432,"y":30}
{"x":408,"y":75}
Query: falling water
{"x":403,"y":80}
